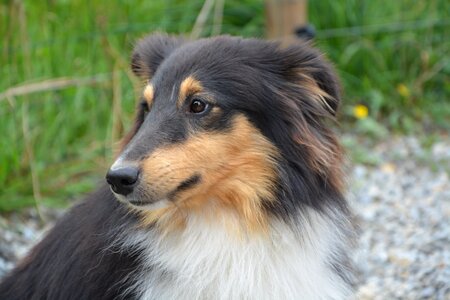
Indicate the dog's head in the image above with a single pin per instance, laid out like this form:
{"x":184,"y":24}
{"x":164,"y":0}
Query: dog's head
{"x":229,"y":125}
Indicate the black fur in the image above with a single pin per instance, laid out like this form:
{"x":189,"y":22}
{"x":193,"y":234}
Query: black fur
{"x":188,"y":183}
{"x":78,"y":259}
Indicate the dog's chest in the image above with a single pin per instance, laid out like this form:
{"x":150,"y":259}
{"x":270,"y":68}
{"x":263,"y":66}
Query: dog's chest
{"x":209,"y":262}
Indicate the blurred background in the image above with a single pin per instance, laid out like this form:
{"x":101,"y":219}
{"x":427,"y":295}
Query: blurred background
{"x":67,"y":96}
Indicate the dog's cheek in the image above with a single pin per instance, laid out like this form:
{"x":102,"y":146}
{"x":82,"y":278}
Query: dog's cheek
{"x":164,"y":170}
{"x":169,"y":166}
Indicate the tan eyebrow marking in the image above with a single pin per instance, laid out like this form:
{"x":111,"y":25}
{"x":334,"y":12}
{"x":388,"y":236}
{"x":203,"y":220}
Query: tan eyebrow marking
{"x":149,"y":92}
{"x":188,"y":87}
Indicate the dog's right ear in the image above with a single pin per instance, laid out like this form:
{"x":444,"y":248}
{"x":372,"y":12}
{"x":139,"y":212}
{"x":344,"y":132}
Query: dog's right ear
{"x":150,"y":52}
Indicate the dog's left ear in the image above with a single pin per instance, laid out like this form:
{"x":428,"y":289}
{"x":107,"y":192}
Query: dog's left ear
{"x":314,"y":77}
{"x":151,"y":51}
{"x":309,"y":95}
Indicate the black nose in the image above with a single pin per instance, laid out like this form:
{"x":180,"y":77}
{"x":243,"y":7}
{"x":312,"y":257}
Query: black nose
{"x":122,"y":180}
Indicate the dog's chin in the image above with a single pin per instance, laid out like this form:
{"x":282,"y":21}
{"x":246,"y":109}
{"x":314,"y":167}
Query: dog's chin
{"x":144,"y":204}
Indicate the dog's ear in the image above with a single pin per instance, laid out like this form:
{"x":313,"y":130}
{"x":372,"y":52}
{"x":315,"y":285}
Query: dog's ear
{"x":309,"y":95}
{"x":314,"y":76}
{"x":150,"y":52}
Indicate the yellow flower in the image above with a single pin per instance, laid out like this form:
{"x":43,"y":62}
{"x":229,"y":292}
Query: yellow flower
{"x":403,"y":90}
{"x":360,"y":111}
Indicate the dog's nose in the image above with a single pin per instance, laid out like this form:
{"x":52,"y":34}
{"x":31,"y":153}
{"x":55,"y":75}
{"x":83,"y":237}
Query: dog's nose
{"x":122,"y":180}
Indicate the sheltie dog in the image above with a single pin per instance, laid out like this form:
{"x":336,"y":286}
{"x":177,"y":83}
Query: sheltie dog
{"x":229,"y":185}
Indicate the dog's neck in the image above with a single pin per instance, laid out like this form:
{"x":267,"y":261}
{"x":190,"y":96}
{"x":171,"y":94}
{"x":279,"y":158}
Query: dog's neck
{"x":209,"y":259}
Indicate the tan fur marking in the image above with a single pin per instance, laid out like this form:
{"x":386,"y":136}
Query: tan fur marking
{"x":237,"y":170}
{"x":316,"y":92}
{"x":149,"y":92}
{"x":188,"y":87}
{"x":325,"y":153}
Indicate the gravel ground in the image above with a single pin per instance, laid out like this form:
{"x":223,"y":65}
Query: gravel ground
{"x":404,"y":206}
{"x":402,"y":200}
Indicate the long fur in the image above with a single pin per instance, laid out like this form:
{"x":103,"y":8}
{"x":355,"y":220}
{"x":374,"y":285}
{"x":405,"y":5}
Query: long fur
{"x":275,"y":225}
{"x":206,"y":262}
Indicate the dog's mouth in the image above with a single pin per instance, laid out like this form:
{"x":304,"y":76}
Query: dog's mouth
{"x":140,"y":202}
{"x":137,"y":199}
{"x":140,"y":197}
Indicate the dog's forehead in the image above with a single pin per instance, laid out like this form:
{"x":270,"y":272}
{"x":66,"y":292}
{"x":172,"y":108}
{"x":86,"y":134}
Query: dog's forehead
{"x":204,"y":60}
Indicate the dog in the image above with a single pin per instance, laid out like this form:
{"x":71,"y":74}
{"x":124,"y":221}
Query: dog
{"x":229,"y":185}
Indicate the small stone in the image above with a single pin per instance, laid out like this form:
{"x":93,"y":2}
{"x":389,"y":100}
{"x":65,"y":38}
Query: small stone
{"x":427,"y":292}
{"x":366,"y":292}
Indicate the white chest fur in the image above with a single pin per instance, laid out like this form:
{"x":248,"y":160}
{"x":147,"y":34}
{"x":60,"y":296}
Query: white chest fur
{"x":208,"y":261}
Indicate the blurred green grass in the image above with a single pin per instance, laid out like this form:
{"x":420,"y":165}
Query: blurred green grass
{"x":57,"y":144}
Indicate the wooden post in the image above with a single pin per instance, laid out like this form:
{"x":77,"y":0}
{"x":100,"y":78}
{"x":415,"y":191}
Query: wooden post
{"x":284,"y":17}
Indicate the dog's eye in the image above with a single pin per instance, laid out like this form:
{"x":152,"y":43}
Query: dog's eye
{"x":197,"y":106}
